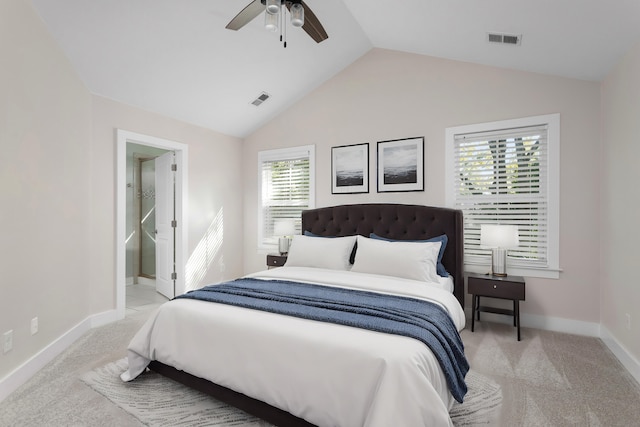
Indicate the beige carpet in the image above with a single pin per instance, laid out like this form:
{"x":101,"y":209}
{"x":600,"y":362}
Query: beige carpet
{"x":547,"y":379}
{"x":553,"y":379}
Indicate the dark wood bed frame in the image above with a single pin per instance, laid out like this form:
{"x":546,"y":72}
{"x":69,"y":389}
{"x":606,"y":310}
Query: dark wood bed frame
{"x":395,"y":221}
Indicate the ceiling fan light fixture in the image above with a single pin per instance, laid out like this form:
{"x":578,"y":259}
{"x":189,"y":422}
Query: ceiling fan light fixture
{"x":297,"y":15}
{"x":304,"y":17}
{"x":271,"y":21}
{"x":273,"y":6}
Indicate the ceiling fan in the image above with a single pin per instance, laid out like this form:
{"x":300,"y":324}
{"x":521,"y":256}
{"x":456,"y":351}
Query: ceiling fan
{"x":301,"y":15}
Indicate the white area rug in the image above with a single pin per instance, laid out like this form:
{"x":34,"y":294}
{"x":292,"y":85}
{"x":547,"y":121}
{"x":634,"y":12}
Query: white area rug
{"x":158,"y":401}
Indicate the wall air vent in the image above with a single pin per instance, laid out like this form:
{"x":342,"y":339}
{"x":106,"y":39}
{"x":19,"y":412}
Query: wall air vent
{"x":501,"y":38}
{"x":260,"y":99}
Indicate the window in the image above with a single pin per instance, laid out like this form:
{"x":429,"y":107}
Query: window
{"x":287,"y":187}
{"x":507,"y":173}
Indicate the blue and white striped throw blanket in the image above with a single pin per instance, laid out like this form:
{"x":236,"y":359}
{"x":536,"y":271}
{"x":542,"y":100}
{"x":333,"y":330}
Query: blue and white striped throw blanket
{"x":410,"y":317}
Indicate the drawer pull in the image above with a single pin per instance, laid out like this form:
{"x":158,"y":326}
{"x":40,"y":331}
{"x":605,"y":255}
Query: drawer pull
{"x":495,"y":286}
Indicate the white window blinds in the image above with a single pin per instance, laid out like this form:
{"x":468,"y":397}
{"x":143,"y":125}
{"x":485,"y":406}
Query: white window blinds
{"x":502,"y":176}
{"x":286,"y":189}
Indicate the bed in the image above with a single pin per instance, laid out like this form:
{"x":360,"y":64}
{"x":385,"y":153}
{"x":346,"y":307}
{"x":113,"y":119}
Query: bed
{"x":294,"y":371}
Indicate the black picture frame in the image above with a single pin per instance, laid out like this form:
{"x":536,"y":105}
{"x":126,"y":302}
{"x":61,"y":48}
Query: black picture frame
{"x":400,"y":164}
{"x":350,"y":169}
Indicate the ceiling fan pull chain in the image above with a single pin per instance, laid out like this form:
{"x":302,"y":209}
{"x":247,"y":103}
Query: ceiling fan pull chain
{"x":281,"y":22}
{"x":284,"y":25}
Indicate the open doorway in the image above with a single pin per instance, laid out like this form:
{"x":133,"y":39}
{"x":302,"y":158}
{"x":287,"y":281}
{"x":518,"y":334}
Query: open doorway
{"x":140,"y":259}
{"x":142,"y":193}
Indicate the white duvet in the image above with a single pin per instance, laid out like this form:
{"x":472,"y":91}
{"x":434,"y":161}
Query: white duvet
{"x":330,"y":375}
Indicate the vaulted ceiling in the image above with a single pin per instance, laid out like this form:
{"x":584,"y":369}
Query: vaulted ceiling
{"x":176,"y":58}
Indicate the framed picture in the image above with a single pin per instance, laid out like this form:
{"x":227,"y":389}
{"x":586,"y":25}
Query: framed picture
{"x":401,"y":165}
{"x":350,"y":169}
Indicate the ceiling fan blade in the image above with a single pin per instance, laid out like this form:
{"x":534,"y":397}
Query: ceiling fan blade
{"x":312,"y":25}
{"x":246,"y":15}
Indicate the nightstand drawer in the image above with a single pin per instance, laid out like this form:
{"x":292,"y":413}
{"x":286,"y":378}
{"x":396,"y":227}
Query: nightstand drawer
{"x":492,"y":287}
{"x":276,"y":260}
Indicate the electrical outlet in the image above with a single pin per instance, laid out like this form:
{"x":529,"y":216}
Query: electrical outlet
{"x":628,"y":317}
{"x":34,"y":326}
{"x":8,"y":341}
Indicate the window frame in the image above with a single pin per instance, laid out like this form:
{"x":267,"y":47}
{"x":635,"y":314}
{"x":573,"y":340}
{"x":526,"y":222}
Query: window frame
{"x":552,"y":121}
{"x":282,"y":154}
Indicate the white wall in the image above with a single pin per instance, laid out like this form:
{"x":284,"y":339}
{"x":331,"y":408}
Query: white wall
{"x":620,"y":254}
{"x":215,"y":180}
{"x":45,"y":164}
{"x":389,"y":95}
{"x":57,"y":186}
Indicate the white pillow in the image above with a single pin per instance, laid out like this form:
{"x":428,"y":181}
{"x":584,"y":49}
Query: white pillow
{"x":409,"y":260}
{"x":321,"y":252}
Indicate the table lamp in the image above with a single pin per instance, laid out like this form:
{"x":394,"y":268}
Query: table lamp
{"x":499,"y":238}
{"x":284,"y":229}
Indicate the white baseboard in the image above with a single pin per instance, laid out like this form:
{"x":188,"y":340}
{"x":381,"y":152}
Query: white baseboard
{"x":24,"y":372}
{"x":556,"y":324}
{"x":622,"y":354}
{"x":106,"y":317}
{"x":546,"y":323}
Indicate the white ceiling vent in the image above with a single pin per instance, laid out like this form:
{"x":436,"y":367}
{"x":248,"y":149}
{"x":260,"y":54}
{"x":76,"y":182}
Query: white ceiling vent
{"x":260,"y":99}
{"x":512,"y":39}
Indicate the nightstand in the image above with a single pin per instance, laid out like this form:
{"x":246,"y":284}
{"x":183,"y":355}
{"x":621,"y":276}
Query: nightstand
{"x":507,"y":287}
{"x":274,"y":260}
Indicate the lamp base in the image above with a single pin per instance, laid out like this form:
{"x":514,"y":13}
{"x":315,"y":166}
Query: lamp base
{"x":499,"y":262}
{"x":283,"y":245}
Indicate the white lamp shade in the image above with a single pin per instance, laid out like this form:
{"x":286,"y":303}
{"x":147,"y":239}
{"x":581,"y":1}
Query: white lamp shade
{"x":284,"y":227}
{"x":499,"y":236}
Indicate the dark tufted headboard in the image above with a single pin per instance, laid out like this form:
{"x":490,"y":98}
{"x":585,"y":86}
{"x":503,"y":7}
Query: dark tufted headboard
{"x":395,"y":221}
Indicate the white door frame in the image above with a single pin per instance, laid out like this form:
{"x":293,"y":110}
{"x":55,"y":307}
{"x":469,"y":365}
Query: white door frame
{"x":181,"y":150}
